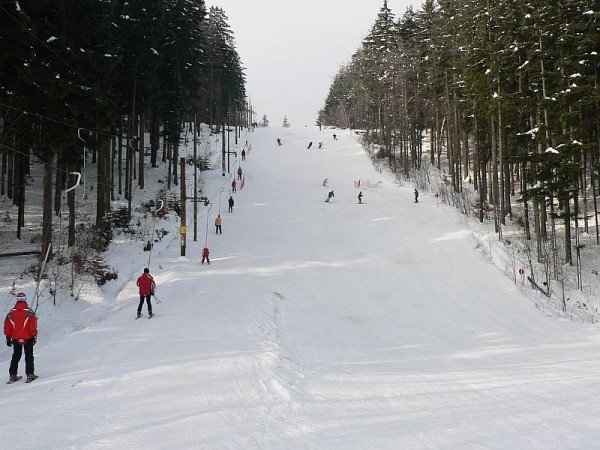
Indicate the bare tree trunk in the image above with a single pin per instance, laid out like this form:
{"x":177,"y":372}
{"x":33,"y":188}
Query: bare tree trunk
{"x":141,"y":150}
{"x":154,"y":138}
{"x":72,"y":212}
{"x":47,"y":209}
{"x":59,"y":181}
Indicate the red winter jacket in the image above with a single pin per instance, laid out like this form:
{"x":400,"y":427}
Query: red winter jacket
{"x":20,"y":322}
{"x":146,"y":284}
{"x":205,"y":251}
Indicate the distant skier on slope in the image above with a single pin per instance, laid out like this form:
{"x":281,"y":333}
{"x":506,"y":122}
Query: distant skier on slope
{"x":416,"y":196}
{"x":330,"y":195}
{"x":205,"y":257}
{"x":233,"y":185}
{"x":334,"y":137}
{"x":320,"y":145}
{"x":147,"y":285}
{"x":278,"y":141}
{"x":360,"y":196}
{"x":239,"y":172}
{"x":218,"y":223}
{"x":231,"y":202}
{"x":243,"y":155}
{"x":309,"y":145}
{"x":20,"y":329}
{"x":325,"y":182}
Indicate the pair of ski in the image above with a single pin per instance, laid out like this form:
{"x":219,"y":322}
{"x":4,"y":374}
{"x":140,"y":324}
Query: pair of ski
{"x":149,"y":317}
{"x":29,"y":380}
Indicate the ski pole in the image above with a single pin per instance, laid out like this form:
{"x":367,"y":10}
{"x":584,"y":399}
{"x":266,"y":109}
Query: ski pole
{"x":156,"y":298}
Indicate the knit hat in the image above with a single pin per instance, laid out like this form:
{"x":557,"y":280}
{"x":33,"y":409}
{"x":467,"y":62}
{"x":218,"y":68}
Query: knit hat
{"x":21,"y":297}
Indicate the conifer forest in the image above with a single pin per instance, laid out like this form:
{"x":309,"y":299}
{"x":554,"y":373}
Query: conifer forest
{"x":505,"y":93}
{"x":88,"y":80}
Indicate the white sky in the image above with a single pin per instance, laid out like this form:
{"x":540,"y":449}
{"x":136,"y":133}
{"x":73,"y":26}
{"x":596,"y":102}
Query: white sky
{"x":292,"y":50}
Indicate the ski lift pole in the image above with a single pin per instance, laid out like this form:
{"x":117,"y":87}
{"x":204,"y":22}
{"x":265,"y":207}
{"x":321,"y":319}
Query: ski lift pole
{"x":220,"y":192}
{"x":37,"y":285}
{"x":162,"y":204}
{"x":206,"y":234}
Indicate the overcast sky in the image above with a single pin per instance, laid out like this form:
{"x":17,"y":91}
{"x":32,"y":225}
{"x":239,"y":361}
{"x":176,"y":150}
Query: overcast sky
{"x":292,"y":49}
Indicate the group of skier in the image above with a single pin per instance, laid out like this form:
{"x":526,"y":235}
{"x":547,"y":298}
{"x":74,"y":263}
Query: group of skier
{"x":331,"y":194}
{"x":230,"y":203}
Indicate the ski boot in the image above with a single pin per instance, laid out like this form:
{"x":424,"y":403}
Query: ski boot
{"x":31,"y":377}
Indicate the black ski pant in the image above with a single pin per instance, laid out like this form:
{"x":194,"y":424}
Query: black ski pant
{"x":142,"y":298}
{"x":16,"y":357}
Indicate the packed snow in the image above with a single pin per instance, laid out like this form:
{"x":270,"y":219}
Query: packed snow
{"x":316,"y":325}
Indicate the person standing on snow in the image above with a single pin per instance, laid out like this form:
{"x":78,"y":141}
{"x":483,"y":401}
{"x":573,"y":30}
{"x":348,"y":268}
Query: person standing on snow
{"x":218,"y":222}
{"x":278,"y":141}
{"x":334,"y":137}
{"x":416,"y":196}
{"x":147,"y":285}
{"x":205,"y":255}
{"x":329,"y":196}
{"x":20,"y":329}
{"x":360,"y":196}
{"x":233,"y":185}
{"x":231,"y":203}
{"x":239,"y":172}
{"x":243,"y":155}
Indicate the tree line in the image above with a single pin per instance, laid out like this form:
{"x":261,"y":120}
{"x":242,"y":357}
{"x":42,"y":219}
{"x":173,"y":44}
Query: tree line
{"x":506,"y":92}
{"x":86,"y":80}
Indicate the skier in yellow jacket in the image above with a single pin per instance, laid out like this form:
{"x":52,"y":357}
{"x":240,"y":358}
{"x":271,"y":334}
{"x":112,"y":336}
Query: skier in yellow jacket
{"x":218,"y":225}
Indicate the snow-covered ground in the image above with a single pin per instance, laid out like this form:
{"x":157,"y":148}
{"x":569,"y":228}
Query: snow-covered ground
{"x":316,"y":326}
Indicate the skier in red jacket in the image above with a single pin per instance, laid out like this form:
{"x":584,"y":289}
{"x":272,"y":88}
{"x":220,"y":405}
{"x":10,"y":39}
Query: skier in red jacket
{"x":147,"y":285}
{"x":20,"y":328}
{"x":205,"y":255}
{"x":239,"y":172}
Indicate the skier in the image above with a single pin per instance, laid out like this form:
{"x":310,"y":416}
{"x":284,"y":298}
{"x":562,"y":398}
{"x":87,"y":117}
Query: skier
{"x":334,"y":137}
{"x":218,"y":222}
{"x":320,"y":145}
{"x":147,"y":285}
{"x":416,"y":196}
{"x":231,"y":203}
{"x":329,"y":196}
{"x":239,"y":172}
{"x":309,"y":145}
{"x":205,"y":255}
{"x":278,"y":141}
{"x":233,"y":185}
{"x":360,"y":196}
{"x":243,"y":155}
{"x":20,"y":328}
{"x":325,"y":182}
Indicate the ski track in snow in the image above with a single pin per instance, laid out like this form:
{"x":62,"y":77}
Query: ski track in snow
{"x":315,"y":326}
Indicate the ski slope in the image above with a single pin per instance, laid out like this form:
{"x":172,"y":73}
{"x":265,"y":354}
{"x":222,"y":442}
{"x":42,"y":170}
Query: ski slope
{"x":316,"y":326}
